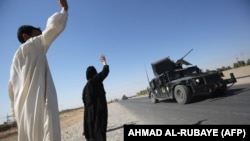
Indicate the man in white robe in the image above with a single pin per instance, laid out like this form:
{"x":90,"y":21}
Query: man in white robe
{"x":31,"y":88}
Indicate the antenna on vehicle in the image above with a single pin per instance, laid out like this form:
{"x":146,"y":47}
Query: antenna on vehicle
{"x":146,"y":71}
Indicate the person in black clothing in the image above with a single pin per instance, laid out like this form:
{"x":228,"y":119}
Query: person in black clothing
{"x":95,"y":103}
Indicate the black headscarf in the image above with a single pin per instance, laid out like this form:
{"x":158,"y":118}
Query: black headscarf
{"x":91,"y":72}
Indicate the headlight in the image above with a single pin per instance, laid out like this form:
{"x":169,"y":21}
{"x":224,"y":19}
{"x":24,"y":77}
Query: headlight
{"x":197,"y":80}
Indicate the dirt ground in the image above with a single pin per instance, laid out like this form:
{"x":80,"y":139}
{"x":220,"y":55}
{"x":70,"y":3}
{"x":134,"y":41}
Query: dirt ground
{"x":67,"y":118}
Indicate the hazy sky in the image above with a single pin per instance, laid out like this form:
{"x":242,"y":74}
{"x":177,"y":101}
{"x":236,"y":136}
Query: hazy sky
{"x":132,"y":34}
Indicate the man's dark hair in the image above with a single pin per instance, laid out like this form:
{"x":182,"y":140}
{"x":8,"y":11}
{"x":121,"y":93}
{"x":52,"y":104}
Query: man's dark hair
{"x":25,"y":29}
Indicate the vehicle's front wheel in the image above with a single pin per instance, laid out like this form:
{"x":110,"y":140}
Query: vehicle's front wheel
{"x":182,"y":94}
{"x":153,"y":98}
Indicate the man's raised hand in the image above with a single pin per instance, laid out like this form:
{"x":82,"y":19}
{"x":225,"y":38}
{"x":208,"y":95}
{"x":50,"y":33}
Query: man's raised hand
{"x":64,"y":4}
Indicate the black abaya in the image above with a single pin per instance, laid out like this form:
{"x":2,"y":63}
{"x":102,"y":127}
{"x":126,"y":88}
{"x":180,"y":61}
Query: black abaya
{"x":95,"y":107}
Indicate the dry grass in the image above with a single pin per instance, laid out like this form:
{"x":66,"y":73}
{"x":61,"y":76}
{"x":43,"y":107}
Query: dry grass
{"x":8,"y":132}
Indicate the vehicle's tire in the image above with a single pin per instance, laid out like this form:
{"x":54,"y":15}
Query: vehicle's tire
{"x":182,"y":94}
{"x":153,"y":98}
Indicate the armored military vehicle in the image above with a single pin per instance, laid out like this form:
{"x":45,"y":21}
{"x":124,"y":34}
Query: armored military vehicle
{"x":173,"y":81}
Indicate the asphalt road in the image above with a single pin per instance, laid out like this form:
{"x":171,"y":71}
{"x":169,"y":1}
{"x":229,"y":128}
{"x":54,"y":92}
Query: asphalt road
{"x":231,"y":109}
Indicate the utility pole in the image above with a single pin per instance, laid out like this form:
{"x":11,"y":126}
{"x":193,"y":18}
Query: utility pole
{"x":8,"y":118}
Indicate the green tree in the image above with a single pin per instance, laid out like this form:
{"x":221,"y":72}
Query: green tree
{"x":236,"y":65}
{"x":142,"y":92}
{"x":248,"y":62}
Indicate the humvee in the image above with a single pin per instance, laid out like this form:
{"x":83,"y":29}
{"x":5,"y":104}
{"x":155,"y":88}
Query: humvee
{"x":173,"y":81}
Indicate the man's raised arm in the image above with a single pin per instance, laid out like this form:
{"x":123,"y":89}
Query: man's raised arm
{"x":55,"y":25}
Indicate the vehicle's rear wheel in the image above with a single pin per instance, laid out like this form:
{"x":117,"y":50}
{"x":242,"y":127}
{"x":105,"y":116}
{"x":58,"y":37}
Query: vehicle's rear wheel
{"x":182,"y":94}
{"x":153,"y":98}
